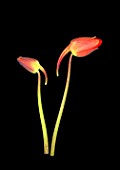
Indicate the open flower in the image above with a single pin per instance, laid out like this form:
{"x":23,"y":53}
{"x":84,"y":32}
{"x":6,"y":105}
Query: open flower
{"x":79,"y":47}
{"x":33,"y":66}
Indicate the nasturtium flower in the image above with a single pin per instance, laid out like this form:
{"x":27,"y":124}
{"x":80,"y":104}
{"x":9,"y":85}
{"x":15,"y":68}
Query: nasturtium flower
{"x":32,"y":65}
{"x":79,"y":47}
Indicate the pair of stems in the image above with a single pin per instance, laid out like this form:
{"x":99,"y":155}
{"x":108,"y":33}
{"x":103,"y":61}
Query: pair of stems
{"x":44,"y":129}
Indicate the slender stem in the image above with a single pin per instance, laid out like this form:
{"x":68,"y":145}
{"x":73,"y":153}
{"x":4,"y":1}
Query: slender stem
{"x":52,"y":151}
{"x":44,"y":129}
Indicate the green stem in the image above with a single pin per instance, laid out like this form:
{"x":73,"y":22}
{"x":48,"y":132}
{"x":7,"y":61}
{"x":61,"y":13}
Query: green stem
{"x":61,"y":108}
{"x":44,"y":129}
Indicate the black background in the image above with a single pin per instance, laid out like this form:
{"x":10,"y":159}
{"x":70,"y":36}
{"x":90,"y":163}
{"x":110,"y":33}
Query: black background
{"x":42,"y":32}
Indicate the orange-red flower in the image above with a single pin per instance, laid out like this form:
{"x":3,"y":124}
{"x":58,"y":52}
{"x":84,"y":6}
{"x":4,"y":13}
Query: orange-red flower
{"x":80,"y":47}
{"x":32,"y":65}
